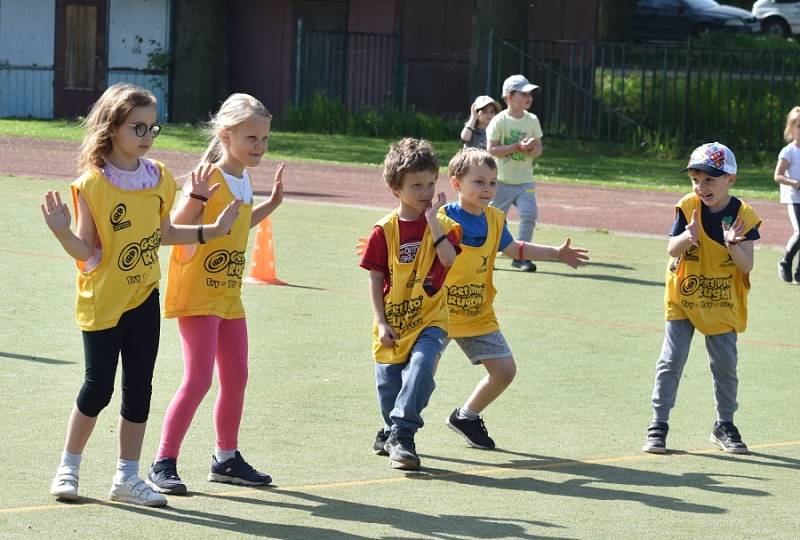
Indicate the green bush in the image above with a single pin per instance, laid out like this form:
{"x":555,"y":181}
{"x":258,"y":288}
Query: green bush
{"x":324,"y":115}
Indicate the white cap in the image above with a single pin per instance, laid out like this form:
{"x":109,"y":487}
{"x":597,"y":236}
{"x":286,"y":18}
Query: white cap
{"x":517,"y":83}
{"x":482,"y":101}
{"x":714,"y":159}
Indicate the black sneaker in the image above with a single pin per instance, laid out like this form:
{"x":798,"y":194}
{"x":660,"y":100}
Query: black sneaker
{"x":473,"y":431}
{"x":379,"y":447}
{"x":163,"y":477}
{"x":402,"y":453}
{"x":727,"y":437}
{"x":797,"y":275}
{"x":524,"y":265}
{"x":785,"y":271}
{"x":237,"y":471}
{"x":656,"y":442}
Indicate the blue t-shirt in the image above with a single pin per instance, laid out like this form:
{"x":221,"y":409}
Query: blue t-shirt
{"x":474,"y":228}
{"x":712,"y":222}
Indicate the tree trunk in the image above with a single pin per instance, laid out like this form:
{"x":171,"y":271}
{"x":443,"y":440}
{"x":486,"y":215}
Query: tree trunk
{"x":614,"y":19}
{"x":199,"y":51}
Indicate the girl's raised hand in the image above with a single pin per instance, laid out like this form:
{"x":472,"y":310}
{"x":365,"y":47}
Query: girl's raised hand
{"x":572,"y":256}
{"x":200,"y":177}
{"x":227,"y":217}
{"x":277,"y":186}
{"x":56,"y":214}
{"x":732,"y":234}
{"x":433,"y":208}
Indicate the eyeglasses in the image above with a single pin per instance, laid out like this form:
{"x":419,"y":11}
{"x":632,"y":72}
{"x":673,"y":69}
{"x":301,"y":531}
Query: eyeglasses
{"x":141,"y":129}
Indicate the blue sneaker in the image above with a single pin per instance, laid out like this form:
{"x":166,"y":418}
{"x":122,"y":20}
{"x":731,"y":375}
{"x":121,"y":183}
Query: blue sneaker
{"x":237,"y":471}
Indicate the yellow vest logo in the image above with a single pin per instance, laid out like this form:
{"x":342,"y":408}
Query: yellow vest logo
{"x":117,"y":217}
{"x":710,"y":288}
{"x":145,"y":250}
{"x":232,"y":261}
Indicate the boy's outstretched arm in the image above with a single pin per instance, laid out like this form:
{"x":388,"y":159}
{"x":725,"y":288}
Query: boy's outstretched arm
{"x":571,"y":256}
{"x":386,"y":333}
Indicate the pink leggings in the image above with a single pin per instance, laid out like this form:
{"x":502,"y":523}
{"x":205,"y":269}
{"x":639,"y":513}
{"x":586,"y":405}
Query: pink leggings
{"x":205,"y":339}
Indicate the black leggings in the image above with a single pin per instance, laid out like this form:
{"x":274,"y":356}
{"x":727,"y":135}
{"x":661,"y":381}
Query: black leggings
{"x":793,"y":245}
{"x":136,"y":338}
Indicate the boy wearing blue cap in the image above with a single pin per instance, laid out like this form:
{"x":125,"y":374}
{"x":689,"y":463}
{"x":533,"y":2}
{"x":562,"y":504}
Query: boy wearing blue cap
{"x":707,"y":282}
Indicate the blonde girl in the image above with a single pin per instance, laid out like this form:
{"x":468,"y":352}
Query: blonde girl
{"x":787,"y":175}
{"x":204,"y":292}
{"x":122,"y":203}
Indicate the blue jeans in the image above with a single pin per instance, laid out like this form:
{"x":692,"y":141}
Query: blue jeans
{"x":405,"y":389}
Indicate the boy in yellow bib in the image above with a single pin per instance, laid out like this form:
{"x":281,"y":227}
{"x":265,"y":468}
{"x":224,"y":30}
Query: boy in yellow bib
{"x":471,"y":292}
{"x":711,"y":250}
{"x":408,"y":255}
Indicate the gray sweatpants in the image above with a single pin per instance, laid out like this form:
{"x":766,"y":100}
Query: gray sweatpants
{"x":722,"y":357}
{"x":523,"y":196}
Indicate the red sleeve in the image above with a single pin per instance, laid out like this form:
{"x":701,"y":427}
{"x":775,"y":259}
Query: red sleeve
{"x":375,"y":256}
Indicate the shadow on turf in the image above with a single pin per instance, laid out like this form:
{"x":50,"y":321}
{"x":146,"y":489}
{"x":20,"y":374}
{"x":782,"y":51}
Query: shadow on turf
{"x":589,"y":475}
{"x":758,"y":458}
{"x":424,"y":525}
{"x":583,"y":275}
{"x":39,"y":359}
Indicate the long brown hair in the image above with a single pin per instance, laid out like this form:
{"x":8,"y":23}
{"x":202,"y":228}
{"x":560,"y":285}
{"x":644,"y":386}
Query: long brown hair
{"x":108,"y":113}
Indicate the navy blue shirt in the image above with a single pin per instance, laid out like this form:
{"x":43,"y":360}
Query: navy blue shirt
{"x":712,"y":222}
{"x":475,"y":228}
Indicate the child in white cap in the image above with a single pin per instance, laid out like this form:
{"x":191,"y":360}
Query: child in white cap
{"x":707,"y":281}
{"x":515,"y":141}
{"x":481,"y":113}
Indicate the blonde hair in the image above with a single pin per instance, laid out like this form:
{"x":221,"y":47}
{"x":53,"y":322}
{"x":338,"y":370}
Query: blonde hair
{"x":408,"y":156}
{"x":791,"y":118}
{"x":466,"y":158}
{"x":107,"y":113}
{"x":233,"y":111}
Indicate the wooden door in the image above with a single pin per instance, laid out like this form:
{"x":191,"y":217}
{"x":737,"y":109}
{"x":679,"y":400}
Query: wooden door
{"x":81,"y":56}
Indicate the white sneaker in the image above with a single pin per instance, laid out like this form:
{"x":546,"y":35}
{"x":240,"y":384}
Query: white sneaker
{"x":65,"y":484}
{"x":135,"y":491}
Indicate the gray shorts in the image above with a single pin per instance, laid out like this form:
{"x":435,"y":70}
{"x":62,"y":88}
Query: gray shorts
{"x":486,"y":347}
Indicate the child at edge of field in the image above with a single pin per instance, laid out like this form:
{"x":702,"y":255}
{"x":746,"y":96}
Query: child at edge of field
{"x":408,"y":255}
{"x":707,"y":283}
{"x":483,"y":109}
{"x":787,"y":175}
{"x":515,"y":140}
{"x":470,"y":288}
{"x":211,"y":317}
{"x":122,"y":203}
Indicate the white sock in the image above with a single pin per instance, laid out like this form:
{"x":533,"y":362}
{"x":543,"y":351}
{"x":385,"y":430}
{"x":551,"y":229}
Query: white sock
{"x":125,"y":469}
{"x":70,"y":463}
{"x":465,"y":413}
{"x":224,"y":455}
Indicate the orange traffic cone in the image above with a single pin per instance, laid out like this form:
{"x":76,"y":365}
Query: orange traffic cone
{"x":262,"y":269}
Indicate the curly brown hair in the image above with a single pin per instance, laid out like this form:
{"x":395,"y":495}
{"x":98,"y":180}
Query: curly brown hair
{"x":408,"y":156}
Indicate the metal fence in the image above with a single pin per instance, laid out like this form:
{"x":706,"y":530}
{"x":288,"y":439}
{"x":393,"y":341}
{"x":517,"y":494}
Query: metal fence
{"x":654,"y":92}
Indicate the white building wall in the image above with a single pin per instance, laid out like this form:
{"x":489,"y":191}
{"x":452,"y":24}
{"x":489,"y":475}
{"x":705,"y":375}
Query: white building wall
{"x":27,"y":41}
{"x":27,"y":32}
{"x":136,"y":28}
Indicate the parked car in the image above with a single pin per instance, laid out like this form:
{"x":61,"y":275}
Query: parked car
{"x":656,"y":20}
{"x":778,"y":17}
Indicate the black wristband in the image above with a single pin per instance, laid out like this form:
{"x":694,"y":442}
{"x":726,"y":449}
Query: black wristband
{"x":198,"y":197}
{"x":200,"y":235}
{"x":440,"y":240}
